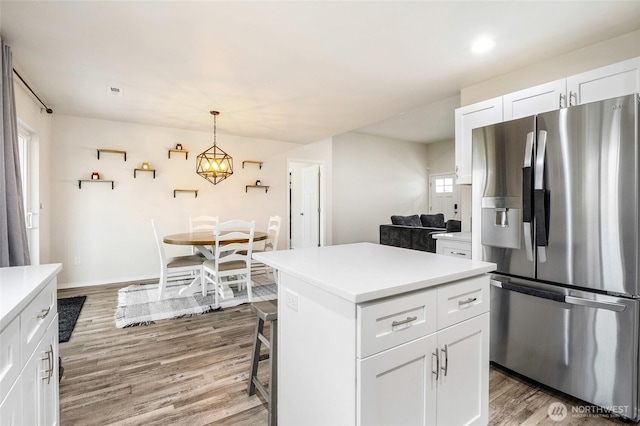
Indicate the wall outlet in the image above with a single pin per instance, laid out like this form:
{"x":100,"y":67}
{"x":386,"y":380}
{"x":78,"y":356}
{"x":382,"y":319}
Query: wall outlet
{"x":76,"y":260}
{"x":291,"y":299}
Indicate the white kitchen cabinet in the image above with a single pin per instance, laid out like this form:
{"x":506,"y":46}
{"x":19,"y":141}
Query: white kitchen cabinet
{"x":619,"y":79}
{"x":29,"y":357}
{"x":40,"y":381}
{"x":456,"y":244}
{"x":440,"y":379}
{"x":364,"y":342}
{"x":463,"y":386}
{"x":534,"y":100}
{"x":468,"y":118}
{"x":398,"y":386}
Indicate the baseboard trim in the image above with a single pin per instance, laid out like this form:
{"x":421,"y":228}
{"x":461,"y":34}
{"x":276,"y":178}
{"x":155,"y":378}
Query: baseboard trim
{"x":107,"y":281}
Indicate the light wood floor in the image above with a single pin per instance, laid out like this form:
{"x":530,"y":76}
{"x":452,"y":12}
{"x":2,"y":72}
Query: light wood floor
{"x":193,"y":371}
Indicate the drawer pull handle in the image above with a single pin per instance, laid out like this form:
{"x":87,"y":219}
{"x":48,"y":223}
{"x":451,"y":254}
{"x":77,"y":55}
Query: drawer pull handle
{"x":43,"y":313}
{"x":458,"y":253}
{"x":405,"y":321}
{"x":467,"y":302}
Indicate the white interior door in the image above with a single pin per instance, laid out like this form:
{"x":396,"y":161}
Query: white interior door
{"x":310,"y":217}
{"x":444,"y":196}
{"x":305,"y":181}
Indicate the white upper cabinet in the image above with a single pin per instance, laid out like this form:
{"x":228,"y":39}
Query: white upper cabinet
{"x":619,"y":79}
{"x":468,"y":118}
{"x":534,"y":100}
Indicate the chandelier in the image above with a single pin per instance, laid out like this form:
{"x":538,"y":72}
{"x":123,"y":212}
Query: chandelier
{"x":214,"y":164}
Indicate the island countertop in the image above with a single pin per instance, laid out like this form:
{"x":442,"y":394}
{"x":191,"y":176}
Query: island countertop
{"x":362,"y":272}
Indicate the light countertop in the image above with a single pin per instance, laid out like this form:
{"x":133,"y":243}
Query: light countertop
{"x":362,"y":272}
{"x":454,"y":236}
{"x":19,"y":284}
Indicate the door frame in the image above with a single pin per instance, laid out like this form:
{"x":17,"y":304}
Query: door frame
{"x":321,"y":195}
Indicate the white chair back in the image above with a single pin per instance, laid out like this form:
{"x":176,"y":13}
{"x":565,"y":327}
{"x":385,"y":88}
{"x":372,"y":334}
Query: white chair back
{"x":273,"y":233}
{"x":235,"y":239}
{"x":202,"y":223}
{"x":175,"y":268}
{"x":161,"y":252}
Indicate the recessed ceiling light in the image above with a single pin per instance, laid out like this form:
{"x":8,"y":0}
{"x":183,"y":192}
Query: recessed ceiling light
{"x":482,"y":45}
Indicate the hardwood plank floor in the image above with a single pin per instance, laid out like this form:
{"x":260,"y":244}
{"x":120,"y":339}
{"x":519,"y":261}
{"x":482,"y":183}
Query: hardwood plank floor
{"x":194,"y":371}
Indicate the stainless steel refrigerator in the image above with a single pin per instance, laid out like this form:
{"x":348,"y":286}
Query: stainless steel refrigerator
{"x":557,"y":196}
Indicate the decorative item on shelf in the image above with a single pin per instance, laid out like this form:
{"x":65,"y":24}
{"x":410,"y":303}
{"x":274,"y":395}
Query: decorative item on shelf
{"x":214,"y":164}
{"x":258,"y":183}
{"x":179,"y":146}
{"x":145,"y":167}
{"x":95,"y":176}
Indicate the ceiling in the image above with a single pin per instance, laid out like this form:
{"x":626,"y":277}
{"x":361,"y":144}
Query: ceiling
{"x":296,"y":71}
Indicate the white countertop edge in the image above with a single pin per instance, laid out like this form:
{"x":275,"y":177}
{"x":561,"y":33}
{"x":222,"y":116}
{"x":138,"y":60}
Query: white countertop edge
{"x":388,"y":292}
{"x":358,"y":295}
{"x":33,"y":279}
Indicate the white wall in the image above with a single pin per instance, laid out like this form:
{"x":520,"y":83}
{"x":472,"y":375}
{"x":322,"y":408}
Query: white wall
{"x":374,"y":178}
{"x":441,"y":157}
{"x":110,"y":231}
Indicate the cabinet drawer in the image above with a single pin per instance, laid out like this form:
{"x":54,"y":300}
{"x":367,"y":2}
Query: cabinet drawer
{"x":462,"y":300}
{"x":10,"y":361}
{"x":394,"y":321}
{"x":456,"y":252}
{"x":37,"y":316}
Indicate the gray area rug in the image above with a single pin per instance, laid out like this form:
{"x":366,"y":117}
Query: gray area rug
{"x":138,"y":304}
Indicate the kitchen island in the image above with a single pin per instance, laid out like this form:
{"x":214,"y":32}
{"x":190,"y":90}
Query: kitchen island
{"x":372,"y":334}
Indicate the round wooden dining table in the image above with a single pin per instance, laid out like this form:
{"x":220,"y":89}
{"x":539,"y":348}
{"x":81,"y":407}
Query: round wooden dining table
{"x":202,"y":240}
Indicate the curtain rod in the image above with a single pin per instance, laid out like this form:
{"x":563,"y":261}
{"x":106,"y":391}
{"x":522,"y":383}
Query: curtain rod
{"x":49,"y":110}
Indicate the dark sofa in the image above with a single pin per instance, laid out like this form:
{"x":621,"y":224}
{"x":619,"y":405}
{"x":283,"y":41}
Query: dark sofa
{"x":415,"y":232}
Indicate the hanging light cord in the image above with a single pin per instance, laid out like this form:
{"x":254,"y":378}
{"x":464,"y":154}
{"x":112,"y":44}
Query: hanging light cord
{"x":49,"y":110}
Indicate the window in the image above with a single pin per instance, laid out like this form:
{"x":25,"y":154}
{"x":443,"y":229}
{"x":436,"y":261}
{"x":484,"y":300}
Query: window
{"x":23,"y":153}
{"x":444,"y":185}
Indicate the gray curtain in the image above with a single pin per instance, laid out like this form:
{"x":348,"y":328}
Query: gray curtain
{"x":14,"y":249}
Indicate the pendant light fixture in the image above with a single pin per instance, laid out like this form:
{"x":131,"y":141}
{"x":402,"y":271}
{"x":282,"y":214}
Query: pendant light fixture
{"x":214,"y":164}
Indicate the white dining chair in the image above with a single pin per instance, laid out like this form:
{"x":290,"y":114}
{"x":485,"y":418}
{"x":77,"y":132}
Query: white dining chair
{"x":270,"y":244}
{"x":201,"y":223}
{"x":235,"y":237}
{"x":175,"y":268}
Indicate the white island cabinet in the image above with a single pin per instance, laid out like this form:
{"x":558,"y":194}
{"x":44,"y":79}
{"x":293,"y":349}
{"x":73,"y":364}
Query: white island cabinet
{"x":373,"y":335}
{"x":29,"y":345}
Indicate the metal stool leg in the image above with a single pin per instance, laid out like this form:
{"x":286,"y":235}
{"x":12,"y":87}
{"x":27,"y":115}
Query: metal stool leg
{"x":255,"y":358}
{"x":266,"y":312}
{"x":273,"y":374}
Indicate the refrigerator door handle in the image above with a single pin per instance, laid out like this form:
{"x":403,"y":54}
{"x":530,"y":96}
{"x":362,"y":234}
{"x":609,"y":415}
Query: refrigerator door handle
{"x":527,"y":201}
{"x":572,"y":300}
{"x":540,"y":196}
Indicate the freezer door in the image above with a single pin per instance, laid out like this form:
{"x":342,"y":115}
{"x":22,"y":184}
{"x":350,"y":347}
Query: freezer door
{"x":586,"y":204}
{"x":580,"y":343}
{"x":503,"y":156}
